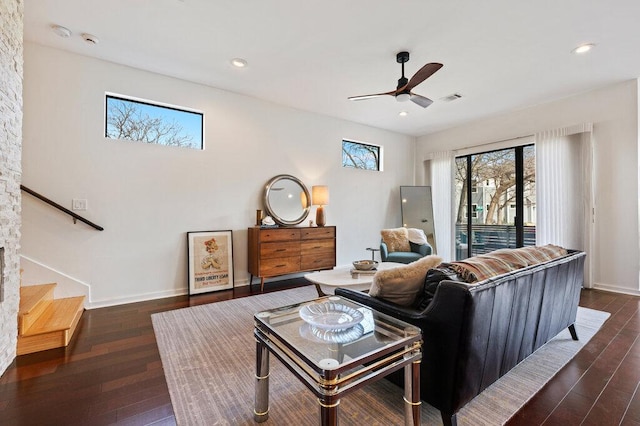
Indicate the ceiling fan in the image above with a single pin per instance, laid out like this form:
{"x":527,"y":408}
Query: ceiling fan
{"x":403,"y":92}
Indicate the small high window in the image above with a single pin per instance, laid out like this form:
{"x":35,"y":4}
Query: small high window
{"x":358,"y":155}
{"x":144,"y":121}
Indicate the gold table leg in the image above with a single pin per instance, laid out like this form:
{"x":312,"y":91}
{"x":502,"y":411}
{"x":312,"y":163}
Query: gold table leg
{"x":261,"y":404}
{"x":329,"y":412}
{"x":412,"y":403}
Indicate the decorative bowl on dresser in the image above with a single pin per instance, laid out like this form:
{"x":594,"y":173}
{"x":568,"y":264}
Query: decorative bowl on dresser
{"x":280,"y":251}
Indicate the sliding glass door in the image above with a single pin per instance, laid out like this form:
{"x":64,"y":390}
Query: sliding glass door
{"x":496,"y":201}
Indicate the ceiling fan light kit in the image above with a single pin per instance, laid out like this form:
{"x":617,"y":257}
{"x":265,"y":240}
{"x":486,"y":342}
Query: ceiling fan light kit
{"x":403,"y":91}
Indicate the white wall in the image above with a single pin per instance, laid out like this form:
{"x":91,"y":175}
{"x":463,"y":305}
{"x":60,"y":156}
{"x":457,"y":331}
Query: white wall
{"x":147,"y":197}
{"x":614,"y":113}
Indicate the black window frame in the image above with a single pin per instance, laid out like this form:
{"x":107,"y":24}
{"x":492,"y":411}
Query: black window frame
{"x":155,"y":105}
{"x":519,"y":188}
{"x":378,"y":159}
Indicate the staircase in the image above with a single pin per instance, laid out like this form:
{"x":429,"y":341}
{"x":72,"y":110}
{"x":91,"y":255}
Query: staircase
{"x":44,"y":322}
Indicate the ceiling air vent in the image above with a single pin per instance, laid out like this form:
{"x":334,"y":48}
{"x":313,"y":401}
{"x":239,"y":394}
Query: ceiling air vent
{"x":453,"y":97}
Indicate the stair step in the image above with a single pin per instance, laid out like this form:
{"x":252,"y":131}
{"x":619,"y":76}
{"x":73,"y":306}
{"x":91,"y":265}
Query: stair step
{"x":34,"y":300}
{"x":54,"y":327}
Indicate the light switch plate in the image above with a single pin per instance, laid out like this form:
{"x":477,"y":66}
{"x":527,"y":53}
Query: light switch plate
{"x":79,"y":204}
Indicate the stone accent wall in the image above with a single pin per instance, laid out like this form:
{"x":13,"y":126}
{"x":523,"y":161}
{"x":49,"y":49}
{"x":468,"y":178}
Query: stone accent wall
{"x":11,"y":61}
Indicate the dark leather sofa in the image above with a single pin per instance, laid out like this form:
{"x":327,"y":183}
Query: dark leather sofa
{"x":474,"y":334}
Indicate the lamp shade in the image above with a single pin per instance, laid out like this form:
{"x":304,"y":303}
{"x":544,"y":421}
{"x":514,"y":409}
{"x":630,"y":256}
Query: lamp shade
{"x":320,"y":195}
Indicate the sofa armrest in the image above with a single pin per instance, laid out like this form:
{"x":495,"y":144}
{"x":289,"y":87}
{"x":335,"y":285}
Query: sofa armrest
{"x":382,"y":306}
{"x":424,"y":249}
{"x":442,"y":324}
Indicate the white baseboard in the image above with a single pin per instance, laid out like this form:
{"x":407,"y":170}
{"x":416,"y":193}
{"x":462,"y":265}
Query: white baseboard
{"x":147,"y":296}
{"x":36,"y":272}
{"x":616,"y":289}
{"x":136,"y":298}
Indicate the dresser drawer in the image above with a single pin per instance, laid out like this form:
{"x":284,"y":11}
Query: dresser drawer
{"x":317,"y":247}
{"x":279,"y":234}
{"x":315,"y":262}
{"x":279,"y":266}
{"x":275,"y":249}
{"x":320,"y":232}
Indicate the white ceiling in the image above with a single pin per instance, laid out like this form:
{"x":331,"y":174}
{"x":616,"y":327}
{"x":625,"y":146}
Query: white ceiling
{"x":498,"y":54}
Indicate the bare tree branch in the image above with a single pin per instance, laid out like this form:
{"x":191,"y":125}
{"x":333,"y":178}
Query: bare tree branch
{"x":126,"y":121}
{"x":360,"y":156}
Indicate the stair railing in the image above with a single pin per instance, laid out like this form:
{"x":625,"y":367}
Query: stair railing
{"x":75,"y":216}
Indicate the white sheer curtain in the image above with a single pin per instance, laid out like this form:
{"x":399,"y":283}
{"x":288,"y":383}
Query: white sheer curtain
{"x":441,"y":165}
{"x":564,"y":189}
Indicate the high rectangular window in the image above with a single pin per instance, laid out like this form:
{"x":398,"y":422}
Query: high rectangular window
{"x":358,"y":155}
{"x":144,"y":121}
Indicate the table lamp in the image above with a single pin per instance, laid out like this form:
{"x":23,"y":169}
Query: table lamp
{"x":320,"y":197}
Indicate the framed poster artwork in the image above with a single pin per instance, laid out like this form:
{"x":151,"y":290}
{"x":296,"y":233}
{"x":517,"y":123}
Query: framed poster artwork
{"x":210,"y":257}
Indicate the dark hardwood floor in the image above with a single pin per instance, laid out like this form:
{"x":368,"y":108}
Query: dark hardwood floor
{"x":601,"y":384}
{"x":111,"y":372}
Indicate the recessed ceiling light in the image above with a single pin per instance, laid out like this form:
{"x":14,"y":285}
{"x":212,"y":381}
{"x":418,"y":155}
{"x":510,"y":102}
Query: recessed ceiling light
{"x":403,"y":113}
{"x":584,"y":48}
{"x":238,"y":62}
{"x":61,"y":31}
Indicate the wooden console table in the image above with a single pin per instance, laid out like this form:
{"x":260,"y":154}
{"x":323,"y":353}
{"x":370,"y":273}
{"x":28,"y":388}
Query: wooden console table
{"x":280,"y":251}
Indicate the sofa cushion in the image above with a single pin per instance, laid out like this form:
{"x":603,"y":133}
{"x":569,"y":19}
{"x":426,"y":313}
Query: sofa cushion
{"x":396,"y":239}
{"x":481,"y":267}
{"x":431,"y":281}
{"x":401,"y":285}
{"x":403,"y":257}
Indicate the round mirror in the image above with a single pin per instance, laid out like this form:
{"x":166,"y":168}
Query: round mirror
{"x":286,"y":200}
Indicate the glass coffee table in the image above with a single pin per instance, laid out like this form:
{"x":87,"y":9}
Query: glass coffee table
{"x":335,"y":346}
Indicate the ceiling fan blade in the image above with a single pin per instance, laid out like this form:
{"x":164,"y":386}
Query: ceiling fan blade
{"x":420,"y":100}
{"x":422,"y":74}
{"x":362,"y":97}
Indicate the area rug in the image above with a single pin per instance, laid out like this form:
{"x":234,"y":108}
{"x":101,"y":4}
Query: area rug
{"x":208,"y":356}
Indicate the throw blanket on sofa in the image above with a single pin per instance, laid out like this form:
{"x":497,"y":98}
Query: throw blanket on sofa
{"x":501,"y":261}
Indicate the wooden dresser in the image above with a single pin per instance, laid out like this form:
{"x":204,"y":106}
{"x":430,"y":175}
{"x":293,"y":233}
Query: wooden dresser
{"x":281,"y":251}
